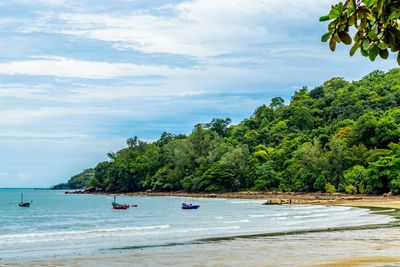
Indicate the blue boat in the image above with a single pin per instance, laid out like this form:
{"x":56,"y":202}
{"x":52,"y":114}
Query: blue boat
{"x":189,"y":206}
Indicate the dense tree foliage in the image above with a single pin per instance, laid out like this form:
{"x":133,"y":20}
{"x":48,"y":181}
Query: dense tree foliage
{"x":340,"y":136}
{"x":78,"y":181}
{"x":376,"y":24}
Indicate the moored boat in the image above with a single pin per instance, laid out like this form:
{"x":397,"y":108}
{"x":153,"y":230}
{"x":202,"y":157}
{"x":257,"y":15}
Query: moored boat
{"x":189,"y":206}
{"x":24,"y":204}
{"x":118,"y":206}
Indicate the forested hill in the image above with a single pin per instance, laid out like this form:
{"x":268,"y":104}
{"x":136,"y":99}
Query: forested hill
{"x":339,"y":136}
{"x":78,"y":181}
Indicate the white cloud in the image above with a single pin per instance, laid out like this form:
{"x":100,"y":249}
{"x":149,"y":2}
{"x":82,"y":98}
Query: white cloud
{"x":38,"y":92}
{"x":24,"y":115}
{"x":199,"y":28}
{"x":53,"y":2}
{"x":64,"y":67}
{"x":26,"y":135}
{"x":4,"y":22}
{"x":126,"y":92}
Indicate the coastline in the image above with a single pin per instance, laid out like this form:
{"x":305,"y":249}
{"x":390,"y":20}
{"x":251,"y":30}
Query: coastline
{"x":295,"y":198}
{"x":356,"y":246}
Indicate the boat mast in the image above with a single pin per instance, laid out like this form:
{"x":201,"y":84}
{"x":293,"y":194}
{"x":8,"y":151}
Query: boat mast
{"x":22,"y":197}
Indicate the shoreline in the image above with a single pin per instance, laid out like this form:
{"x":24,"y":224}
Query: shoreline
{"x":351,"y":247}
{"x":368,"y":245}
{"x":276,"y":198}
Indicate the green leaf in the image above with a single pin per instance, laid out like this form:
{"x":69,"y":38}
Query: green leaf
{"x":325,"y":37}
{"x":379,"y":7}
{"x":364,"y":52}
{"x":357,"y":37}
{"x":395,"y":14}
{"x":335,"y":12}
{"x":373,"y":53}
{"x":383,"y":53}
{"x":345,"y":38}
{"x":382,"y":45}
{"x":373,"y":33}
{"x":365,"y":44}
{"x":398,"y":58}
{"x":353,"y":50}
{"x":369,"y":3}
{"x":351,"y":10}
{"x":337,"y":38}
{"x":324,"y":18}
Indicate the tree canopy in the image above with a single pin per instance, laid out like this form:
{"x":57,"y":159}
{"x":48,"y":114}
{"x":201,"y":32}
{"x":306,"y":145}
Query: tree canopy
{"x":340,"y":136}
{"x":77,"y":181}
{"x":376,"y":25}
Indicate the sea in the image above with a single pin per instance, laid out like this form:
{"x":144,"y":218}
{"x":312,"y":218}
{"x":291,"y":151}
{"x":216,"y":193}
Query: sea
{"x":61,"y":224}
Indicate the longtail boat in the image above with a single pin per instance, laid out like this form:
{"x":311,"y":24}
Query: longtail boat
{"x":118,"y":206}
{"x":24,"y":204}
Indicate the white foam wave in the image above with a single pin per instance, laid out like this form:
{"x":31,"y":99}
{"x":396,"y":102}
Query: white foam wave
{"x":258,"y":215}
{"x":247,"y":202}
{"x":200,"y":229}
{"x":82,"y":232}
{"x":270,"y":215}
{"x":238,"y":221}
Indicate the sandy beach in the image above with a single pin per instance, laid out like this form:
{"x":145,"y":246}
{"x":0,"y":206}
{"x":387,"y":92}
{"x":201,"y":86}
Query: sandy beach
{"x":344,"y":248}
{"x":296,"y":197}
{"x":373,"y":201}
{"x":356,"y":247}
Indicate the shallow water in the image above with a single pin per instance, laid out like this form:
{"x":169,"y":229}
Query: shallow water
{"x":61,"y":224}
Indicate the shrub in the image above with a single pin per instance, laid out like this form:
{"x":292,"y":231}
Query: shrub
{"x":330,"y":188}
{"x":351,"y":189}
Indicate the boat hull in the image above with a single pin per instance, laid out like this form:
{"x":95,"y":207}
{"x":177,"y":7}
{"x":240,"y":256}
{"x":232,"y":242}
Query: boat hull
{"x":117,"y":206}
{"x":190,"y":207}
{"x":120,"y":207}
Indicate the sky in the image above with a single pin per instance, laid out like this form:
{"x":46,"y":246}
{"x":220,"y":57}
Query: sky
{"x":77,"y":78}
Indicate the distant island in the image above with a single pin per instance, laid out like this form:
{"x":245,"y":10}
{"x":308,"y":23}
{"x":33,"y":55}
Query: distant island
{"x":338,"y":137}
{"x":79,"y":181}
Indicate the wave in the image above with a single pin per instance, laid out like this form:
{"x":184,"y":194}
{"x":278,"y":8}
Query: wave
{"x":106,"y":236}
{"x":248,"y":202}
{"x":200,"y":229}
{"x":82,"y":232}
{"x":238,"y":221}
{"x":269,"y":215}
{"x":322,"y":208}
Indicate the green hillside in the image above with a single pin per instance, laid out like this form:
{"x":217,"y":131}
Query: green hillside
{"x":340,"y":136}
{"x":78,"y":181}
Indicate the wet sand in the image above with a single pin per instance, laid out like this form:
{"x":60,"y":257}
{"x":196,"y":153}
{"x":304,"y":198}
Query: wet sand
{"x":344,"y":248}
{"x":368,"y":247}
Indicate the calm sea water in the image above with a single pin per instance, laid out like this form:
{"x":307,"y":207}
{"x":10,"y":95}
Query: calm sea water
{"x":60,"y":224}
